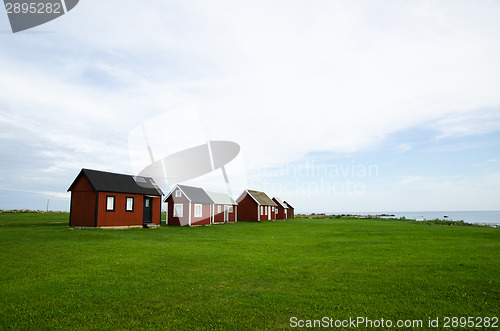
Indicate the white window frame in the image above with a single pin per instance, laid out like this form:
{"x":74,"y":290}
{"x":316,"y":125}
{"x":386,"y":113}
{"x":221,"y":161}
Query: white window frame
{"x":175,"y":213}
{"x":219,"y":209}
{"x":110,"y":202}
{"x":198,"y":210}
{"x":265,"y":210}
{"x":178,"y":193}
{"x":262,"y":210}
{"x":129,"y":207}
{"x":230,"y":209}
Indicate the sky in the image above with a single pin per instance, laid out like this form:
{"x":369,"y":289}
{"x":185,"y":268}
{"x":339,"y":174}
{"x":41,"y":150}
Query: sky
{"x":338,"y":106}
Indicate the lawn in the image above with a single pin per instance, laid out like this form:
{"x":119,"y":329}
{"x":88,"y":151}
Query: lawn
{"x":242,"y":275}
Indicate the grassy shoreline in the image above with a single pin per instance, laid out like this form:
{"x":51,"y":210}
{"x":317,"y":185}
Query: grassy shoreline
{"x":242,"y":275}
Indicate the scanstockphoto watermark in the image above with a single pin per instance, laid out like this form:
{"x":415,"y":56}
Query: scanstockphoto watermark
{"x":310,"y":189}
{"x":365,"y":322}
{"x":311,"y":169}
{"x":358,"y":322}
{"x":313,"y":179}
{"x":25,"y":15}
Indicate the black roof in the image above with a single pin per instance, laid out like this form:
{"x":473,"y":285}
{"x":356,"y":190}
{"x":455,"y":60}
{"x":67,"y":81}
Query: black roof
{"x":194,"y":194}
{"x":119,"y":183}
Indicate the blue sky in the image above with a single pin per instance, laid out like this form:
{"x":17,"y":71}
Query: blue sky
{"x":408,"y":90}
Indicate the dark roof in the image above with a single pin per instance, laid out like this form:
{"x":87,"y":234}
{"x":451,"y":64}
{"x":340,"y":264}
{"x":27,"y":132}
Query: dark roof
{"x":119,"y":183}
{"x":194,"y":194}
{"x":262,"y":198}
{"x":289,"y":206}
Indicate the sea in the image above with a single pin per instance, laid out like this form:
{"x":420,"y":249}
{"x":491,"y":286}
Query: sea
{"x":491,"y":217}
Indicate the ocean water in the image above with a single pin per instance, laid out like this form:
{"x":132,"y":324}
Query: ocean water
{"x":479,"y":217}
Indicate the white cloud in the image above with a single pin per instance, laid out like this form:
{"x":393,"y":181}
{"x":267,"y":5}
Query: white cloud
{"x":404,"y":147}
{"x":329,"y":77}
{"x":49,"y":194}
{"x":481,"y":121}
{"x":411,"y":180}
{"x":339,"y":82}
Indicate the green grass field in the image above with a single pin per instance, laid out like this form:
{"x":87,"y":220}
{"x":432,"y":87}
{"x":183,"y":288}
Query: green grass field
{"x":243,"y":275}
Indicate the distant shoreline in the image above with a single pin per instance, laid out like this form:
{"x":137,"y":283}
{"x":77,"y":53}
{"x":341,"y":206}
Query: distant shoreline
{"x":490,"y":218}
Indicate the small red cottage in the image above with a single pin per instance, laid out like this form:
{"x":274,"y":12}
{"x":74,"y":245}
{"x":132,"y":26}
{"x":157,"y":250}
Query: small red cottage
{"x":256,"y":206}
{"x":225,"y":209}
{"x":282,"y":209}
{"x":290,"y":212}
{"x":187,"y":205}
{"x":100,"y":199}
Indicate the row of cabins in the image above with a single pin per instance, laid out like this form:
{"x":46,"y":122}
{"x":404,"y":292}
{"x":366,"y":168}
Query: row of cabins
{"x":187,"y":205}
{"x":100,"y":199}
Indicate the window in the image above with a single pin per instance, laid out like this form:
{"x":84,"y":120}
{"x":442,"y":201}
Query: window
{"x":197,"y":210}
{"x":265,"y":210}
{"x":262,"y":210}
{"x":178,"y":194}
{"x":146,"y":203}
{"x":230,"y":209}
{"x":110,"y":203}
{"x":130,"y":204}
{"x":139,"y":179}
{"x":178,"y":209}
{"x":218,"y":209}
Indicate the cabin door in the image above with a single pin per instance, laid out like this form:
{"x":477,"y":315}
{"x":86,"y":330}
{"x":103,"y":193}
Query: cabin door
{"x":147,"y":215}
{"x":226,"y":214}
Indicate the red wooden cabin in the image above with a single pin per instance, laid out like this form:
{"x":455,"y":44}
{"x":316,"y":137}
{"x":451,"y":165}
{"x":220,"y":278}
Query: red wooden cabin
{"x":290,"y":212}
{"x":256,"y":206}
{"x":282,"y":209}
{"x":225,"y":209}
{"x":187,"y":206}
{"x":101,"y":199}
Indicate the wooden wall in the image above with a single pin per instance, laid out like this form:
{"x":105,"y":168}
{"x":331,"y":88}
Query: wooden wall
{"x":248,"y":209}
{"x":82,"y":208}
